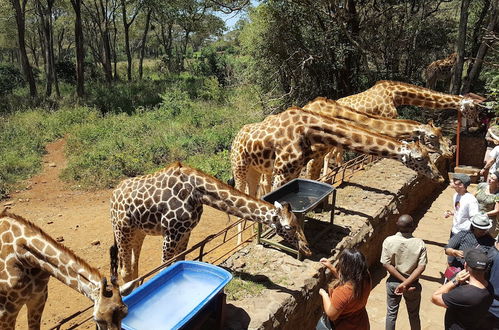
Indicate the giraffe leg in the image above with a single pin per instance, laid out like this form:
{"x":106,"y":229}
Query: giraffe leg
{"x":8,"y":313}
{"x":314,"y":168}
{"x":170,"y":245}
{"x":252,"y":180}
{"x":138,"y":240}
{"x":182,"y":245}
{"x":35,"y":306}
{"x":125,"y":250}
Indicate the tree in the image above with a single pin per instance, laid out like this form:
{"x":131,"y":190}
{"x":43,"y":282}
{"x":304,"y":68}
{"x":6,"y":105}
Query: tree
{"x":126,"y":25}
{"x":460,"y":48}
{"x":80,"y":50}
{"x":20,"y":12}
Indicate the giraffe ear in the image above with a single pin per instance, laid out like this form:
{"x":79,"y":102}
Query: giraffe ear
{"x":278,"y":205}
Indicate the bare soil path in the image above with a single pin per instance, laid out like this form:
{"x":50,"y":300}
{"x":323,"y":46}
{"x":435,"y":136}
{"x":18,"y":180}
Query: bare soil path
{"x":81,"y":219}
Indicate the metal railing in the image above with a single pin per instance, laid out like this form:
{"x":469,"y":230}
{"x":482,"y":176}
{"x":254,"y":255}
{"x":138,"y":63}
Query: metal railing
{"x":213,"y":248}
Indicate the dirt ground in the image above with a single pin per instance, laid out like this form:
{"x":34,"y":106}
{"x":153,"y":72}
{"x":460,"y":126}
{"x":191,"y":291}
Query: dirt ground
{"x":82,"y":220}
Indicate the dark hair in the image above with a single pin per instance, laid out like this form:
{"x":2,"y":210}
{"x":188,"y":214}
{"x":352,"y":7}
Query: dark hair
{"x":352,"y":267}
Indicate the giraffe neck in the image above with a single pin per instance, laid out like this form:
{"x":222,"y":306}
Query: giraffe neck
{"x":396,"y":128}
{"x":39,"y":250}
{"x":406,"y":94}
{"x":337,"y":132}
{"x":223,"y":197}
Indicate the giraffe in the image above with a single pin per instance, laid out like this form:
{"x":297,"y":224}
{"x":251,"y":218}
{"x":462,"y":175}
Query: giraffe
{"x":29,"y":256}
{"x":282,"y":144}
{"x":440,"y":70}
{"x":383,"y":98}
{"x":401,"y":129}
{"x":170,"y":202}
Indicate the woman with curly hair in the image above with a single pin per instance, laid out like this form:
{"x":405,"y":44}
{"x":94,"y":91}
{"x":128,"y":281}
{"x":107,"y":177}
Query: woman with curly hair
{"x":345,"y":305}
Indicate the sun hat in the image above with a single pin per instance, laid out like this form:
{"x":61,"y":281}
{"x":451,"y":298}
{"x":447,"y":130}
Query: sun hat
{"x":481,"y":221}
{"x":476,"y":259}
{"x":464,"y":178}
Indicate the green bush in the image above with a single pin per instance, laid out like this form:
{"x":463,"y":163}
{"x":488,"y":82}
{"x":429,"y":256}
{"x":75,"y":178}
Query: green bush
{"x":10,"y":78}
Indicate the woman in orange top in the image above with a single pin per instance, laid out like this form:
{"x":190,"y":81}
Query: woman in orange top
{"x":345,"y":306}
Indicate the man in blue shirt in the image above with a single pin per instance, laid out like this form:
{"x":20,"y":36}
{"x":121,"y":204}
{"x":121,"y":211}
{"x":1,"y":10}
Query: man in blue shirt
{"x":493,"y":317}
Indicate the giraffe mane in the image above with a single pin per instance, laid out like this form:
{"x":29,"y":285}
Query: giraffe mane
{"x":190,"y":170}
{"x":348,"y":124}
{"x":41,"y":232}
{"x":395,"y":120}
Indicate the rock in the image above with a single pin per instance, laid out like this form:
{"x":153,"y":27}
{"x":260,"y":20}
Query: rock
{"x":96,"y":242}
{"x":59,"y":215}
{"x":59,"y":239}
{"x":52,"y":165}
{"x":50,"y":222}
{"x":9,"y":204}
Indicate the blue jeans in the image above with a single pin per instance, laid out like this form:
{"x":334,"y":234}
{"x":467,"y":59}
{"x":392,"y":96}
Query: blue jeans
{"x":412,"y":301}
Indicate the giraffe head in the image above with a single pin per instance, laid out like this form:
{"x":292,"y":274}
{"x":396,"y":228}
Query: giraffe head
{"x":469,"y":109}
{"x":431,"y":137}
{"x":109,"y":308}
{"x":287,"y":226}
{"x":415,"y":156}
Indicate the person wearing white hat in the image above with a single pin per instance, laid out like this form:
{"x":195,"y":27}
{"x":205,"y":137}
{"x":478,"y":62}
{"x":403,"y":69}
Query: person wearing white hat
{"x":476,"y":237}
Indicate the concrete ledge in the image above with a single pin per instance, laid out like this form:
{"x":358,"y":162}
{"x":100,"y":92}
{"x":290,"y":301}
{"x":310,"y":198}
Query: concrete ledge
{"x":366,"y":209}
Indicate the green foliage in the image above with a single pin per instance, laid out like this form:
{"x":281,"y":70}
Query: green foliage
{"x":66,"y":71}
{"x":10,"y":78}
{"x":124,"y":96}
{"x":23,"y":136}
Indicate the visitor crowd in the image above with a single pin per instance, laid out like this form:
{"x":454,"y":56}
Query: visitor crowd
{"x":470,"y":290}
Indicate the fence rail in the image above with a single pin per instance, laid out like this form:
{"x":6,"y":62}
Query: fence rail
{"x":218,"y":248}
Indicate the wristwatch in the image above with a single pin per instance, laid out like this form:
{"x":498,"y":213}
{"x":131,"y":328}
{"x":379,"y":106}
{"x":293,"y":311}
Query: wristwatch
{"x":455,"y":281}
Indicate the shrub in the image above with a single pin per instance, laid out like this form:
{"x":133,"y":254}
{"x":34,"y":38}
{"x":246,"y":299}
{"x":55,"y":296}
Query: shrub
{"x":10,"y":78}
{"x":66,"y":71}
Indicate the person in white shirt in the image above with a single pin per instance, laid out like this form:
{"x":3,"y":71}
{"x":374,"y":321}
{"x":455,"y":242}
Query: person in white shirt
{"x":465,"y":204}
{"x":492,"y":163}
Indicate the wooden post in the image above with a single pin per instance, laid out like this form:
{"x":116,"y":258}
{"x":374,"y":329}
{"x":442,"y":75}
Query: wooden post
{"x":458,"y":133}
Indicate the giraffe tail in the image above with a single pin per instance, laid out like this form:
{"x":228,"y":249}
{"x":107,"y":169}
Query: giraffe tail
{"x":113,"y":256}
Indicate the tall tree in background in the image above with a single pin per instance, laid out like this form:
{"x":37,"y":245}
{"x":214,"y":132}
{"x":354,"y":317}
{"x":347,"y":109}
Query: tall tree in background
{"x":127,"y":22}
{"x":80,"y":50}
{"x":143,"y":42}
{"x":476,"y":67}
{"x":460,"y":48}
{"x":20,"y":14}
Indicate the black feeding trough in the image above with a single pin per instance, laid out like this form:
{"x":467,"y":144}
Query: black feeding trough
{"x":303,"y":195}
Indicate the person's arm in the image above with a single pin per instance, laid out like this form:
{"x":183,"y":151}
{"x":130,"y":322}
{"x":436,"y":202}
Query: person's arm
{"x":495,"y":211}
{"x":460,"y":278}
{"x":394,"y":272}
{"x":452,"y":248}
{"x":407,"y":283}
{"x":331,"y":312}
{"x":329,"y":266}
{"x":488,"y":165}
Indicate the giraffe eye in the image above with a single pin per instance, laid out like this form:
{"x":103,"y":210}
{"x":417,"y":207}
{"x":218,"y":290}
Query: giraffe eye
{"x":419,"y":159}
{"x":432,"y":136}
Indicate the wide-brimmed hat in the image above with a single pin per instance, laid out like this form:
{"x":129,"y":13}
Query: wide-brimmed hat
{"x":481,"y":221}
{"x":476,"y":259}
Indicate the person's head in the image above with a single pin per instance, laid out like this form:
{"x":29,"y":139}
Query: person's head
{"x":493,"y":178}
{"x":460,"y":182}
{"x":352,"y":267}
{"x":476,"y":261}
{"x":405,"y":224}
{"x":480,"y":224}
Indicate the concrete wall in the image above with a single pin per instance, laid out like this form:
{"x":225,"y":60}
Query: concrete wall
{"x":366,"y":209}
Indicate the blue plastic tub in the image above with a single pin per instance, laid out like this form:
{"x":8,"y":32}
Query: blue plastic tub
{"x":174,"y":296}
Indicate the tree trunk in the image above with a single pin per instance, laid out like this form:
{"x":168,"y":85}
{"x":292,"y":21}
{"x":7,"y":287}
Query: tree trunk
{"x":471,"y":78}
{"x":455,"y":86}
{"x":80,"y":50}
{"x":45,"y":14}
{"x":21,"y":29}
{"x":113,"y":49}
{"x":143,"y":43}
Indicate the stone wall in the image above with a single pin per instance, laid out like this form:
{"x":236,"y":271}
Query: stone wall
{"x":365,"y":213}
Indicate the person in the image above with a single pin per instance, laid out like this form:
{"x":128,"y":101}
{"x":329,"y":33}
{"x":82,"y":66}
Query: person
{"x":468,"y":296}
{"x":345,"y":305}
{"x":404,"y":257}
{"x":487,"y":196}
{"x":492,"y":163}
{"x":465,"y":204}
{"x":492,"y":320}
{"x":491,"y":139}
{"x":476,"y":237}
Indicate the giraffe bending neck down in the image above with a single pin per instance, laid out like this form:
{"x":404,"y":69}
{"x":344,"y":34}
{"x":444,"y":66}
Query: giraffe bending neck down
{"x":383,"y":98}
{"x":28,"y":257}
{"x":170,"y":202}
{"x":282,"y":144}
{"x":400,"y":129}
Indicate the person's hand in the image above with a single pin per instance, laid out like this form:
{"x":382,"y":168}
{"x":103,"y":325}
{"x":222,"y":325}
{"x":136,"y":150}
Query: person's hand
{"x":458,"y":253}
{"x":401,"y":288}
{"x":323,"y":292}
{"x":462,"y":276}
{"x":326,"y":262}
{"x":482,"y":171}
{"x":448,"y":214}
